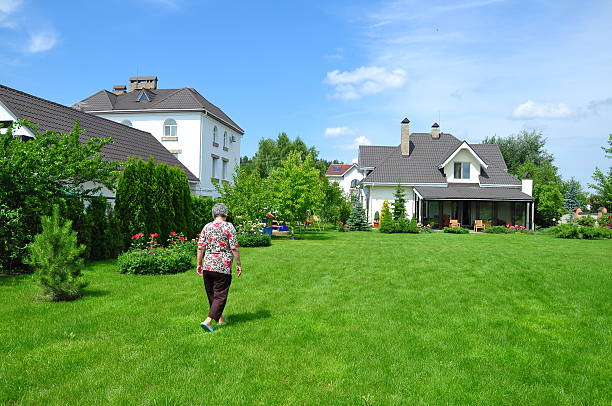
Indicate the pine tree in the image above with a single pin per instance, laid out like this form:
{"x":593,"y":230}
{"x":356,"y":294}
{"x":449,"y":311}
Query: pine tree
{"x":56,"y":257}
{"x":357,"y":221}
{"x":573,"y":195}
{"x":385,"y":210}
{"x":399,"y":205}
{"x":386,"y":219}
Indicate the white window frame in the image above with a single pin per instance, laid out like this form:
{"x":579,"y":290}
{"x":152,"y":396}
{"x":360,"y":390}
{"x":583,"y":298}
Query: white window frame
{"x":224,"y":170}
{"x":215,"y":135}
{"x":225,"y":139}
{"x":214,"y":168}
{"x":462,"y":170}
{"x":168,"y":123}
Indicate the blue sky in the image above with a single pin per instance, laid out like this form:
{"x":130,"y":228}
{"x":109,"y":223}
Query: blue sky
{"x":339,"y":73}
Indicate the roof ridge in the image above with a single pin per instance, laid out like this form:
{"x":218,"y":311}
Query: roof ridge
{"x":176,"y":91}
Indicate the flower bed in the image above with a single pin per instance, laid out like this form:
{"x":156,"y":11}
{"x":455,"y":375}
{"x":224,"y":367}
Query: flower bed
{"x":149,"y":257}
{"x":456,"y":230}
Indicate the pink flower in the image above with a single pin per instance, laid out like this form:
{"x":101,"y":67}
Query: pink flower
{"x":182,"y":238}
{"x":154,"y":235}
{"x":217,"y":225}
{"x":222,"y":244}
{"x":137,"y":236}
{"x":151,"y":252}
{"x":227,"y":262}
{"x":211,"y":240}
{"x":216,"y":255}
{"x":172,"y":234}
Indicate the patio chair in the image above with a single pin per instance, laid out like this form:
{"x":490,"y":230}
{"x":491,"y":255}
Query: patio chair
{"x":454,"y":223}
{"x":479,"y":225}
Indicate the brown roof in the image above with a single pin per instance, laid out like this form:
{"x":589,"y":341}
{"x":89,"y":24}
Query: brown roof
{"x":472,"y":192}
{"x":185,"y":98}
{"x":338,"y":169}
{"x":127,"y":141}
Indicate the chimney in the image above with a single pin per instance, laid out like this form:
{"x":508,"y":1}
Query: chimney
{"x":143,"y":82}
{"x":119,"y":89}
{"x":435,"y":131}
{"x":405,"y":132}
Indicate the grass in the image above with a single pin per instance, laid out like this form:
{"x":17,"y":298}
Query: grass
{"x":336,"y":318}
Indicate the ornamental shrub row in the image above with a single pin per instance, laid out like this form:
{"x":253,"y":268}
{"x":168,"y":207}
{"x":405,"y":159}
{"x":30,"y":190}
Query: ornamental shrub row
{"x":456,"y":230}
{"x":496,"y":230}
{"x":581,"y":232}
{"x":254,"y":240}
{"x":149,"y":257}
{"x":401,"y":225}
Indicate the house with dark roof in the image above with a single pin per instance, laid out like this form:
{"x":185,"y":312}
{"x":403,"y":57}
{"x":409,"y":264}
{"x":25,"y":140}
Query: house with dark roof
{"x":346,"y":176}
{"x":198,"y":133}
{"x":47,"y":115}
{"x":445,"y":179}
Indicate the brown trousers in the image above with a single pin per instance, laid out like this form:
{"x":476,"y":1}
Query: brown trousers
{"x":217,"y":286}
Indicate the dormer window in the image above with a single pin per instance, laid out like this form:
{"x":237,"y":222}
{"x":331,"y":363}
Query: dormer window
{"x":127,"y":122}
{"x":462,"y":170}
{"x":142,"y":97}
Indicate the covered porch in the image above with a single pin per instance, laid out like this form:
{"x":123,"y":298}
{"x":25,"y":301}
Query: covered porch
{"x":466,"y":204}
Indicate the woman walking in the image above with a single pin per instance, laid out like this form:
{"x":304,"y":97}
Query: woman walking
{"x":218,"y":239}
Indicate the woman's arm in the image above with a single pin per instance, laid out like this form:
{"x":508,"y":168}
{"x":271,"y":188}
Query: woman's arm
{"x":200,"y":268}
{"x":236,"y":254}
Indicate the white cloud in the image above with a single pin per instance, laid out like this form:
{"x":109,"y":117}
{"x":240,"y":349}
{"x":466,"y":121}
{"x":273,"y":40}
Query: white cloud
{"x":350,"y":85}
{"x":42,"y":41}
{"x":9,"y":6}
{"x":532,"y":110}
{"x":357,"y":141}
{"x":337,"y":131}
{"x":354,"y":160}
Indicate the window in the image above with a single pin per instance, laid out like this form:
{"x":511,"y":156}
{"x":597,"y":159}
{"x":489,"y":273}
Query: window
{"x":214,"y":167}
{"x":225,"y":139}
{"x":143,"y":97}
{"x":127,"y":122}
{"x":354,"y":183}
{"x":336,"y":169}
{"x":462,"y":170}
{"x":224,"y":170}
{"x":170,"y":128}
{"x":215,"y":135}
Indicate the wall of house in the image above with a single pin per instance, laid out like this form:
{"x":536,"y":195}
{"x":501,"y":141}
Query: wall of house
{"x":378,"y":194}
{"x":345,"y":181}
{"x":463,"y":156}
{"x":7,"y":115}
{"x":193,"y":146}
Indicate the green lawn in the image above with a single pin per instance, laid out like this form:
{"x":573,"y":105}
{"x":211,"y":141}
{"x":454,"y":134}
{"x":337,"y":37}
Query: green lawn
{"x":338,"y":319}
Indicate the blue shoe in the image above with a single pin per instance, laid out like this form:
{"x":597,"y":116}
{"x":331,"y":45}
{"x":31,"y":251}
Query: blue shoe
{"x":206,"y":328}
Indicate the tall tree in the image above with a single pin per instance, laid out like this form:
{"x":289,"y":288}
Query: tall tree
{"x":296,"y":187}
{"x":574,"y":195}
{"x":518,"y":149}
{"x":602,"y":182}
{"x":399,"y":204}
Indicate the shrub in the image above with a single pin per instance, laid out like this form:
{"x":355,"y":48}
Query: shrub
{"x":100,"y":233}
{"x":496,"y":230}
{"x":456,"y":230}
{"x":201,"y":209}
{"x":587,"y":221}
{"x":581,"y":232}
{"x":13,"y":238}
{"x":56,"y":258}
{"x":254,"y":240}
{"x":402,"y":225}
{"x":357,"y":221}
{"x":433,"y":223}
{"x":149,"y":257}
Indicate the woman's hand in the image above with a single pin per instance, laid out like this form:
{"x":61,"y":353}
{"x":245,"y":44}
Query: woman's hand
{"x":200,"y":270}
{"x":238,"y":270}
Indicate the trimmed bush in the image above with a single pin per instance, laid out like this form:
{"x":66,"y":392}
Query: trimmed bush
{"x":403,"y":225}
{"x":587,"y":221}
{"x":254,"y":240}
{"x":56,"y":258}
{"x":496,"y":230}
{"x":456,"y":230}
{"x":160,"y":261}
{"x":201,"y":209}
{"x":581,"y":232}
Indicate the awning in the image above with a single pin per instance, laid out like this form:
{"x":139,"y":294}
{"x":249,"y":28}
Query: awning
{"x":464,"y":192}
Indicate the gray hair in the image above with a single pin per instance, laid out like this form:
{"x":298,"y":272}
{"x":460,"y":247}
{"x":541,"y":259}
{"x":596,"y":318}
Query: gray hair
{"x":219,"y":209}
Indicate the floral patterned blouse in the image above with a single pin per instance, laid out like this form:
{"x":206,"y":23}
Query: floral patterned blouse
{"x":217,"y":238}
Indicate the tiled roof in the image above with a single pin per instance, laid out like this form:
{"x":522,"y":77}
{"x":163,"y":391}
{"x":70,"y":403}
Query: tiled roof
{"x":185,"y":98}
{"x":472,"y":192}
{"x":127,"y":141}
{"x":338,"y":169}
{"x":426,"y":153}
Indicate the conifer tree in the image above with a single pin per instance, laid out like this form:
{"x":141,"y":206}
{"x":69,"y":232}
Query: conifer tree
{"x":386,"y":219}
{"x":57,"y":259}
{"x":357,"y":220}
{"x":399,"y":205}
{"x":384,"y":210}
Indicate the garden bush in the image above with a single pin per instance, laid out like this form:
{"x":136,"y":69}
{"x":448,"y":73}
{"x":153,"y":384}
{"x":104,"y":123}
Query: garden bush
{"x":456,"y":230}
{"x":402,"y":225}
{"x":254,"y":240}
{"x":587,"y":221}
{"x":201,"y":210}
{"x":150,"y":258}
{"x":56,"y":258}
{"x":581,"y":232}
{"x":496,"y":230}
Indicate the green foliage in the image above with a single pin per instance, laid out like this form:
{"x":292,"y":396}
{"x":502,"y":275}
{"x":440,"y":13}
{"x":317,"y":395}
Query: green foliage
{"x":456,"y":230}
{"x":496,"y":230}
{"x":602,"y":182}
{"x":399,"y":204}
{"x":336,"y":207}
{"x":296,"y":187}
{"x":257,"y":240}
{"x":521,"y":148}
{"x":153,"y":259}
{"x":40,"y":173}
{"x":152,"y":199}
{"x":402,"y":225}
{"x":13,"y":237}
{"x":576,"y":231}
{"x":387,"y":225}
{"x":201,"y":212}
{"x":56,"y":257}
{"x":549,"y":204}
{"x":574,"y":195}
{"x":384,"y":211}
{"x":101,"y":235}
{"x":586,"y":221}
{"x":247,"y":197}
{"x":358,"y":221}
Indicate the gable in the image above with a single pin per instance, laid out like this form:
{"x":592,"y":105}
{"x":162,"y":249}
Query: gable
{"x":463,"y":147}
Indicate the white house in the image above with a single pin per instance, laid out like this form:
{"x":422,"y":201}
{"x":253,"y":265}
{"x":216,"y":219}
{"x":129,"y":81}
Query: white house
{"x":444,"y":178}
{"x":194,"y":130}
{"x":47,"y":115}
{"x":347,"y":176}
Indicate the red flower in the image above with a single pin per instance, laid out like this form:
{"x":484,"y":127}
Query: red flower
{"x":182,"y":238}
{"x":216,"y":224}
{"x":172,"y":234}
{"x":154,"y":235}
{"x":222,"y":244}
{"x":216,"y":255}
{"x":137,"y":236}
{"x":151,"y":252}
{"x":211,"y":240}
{"x":227,"y":262}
